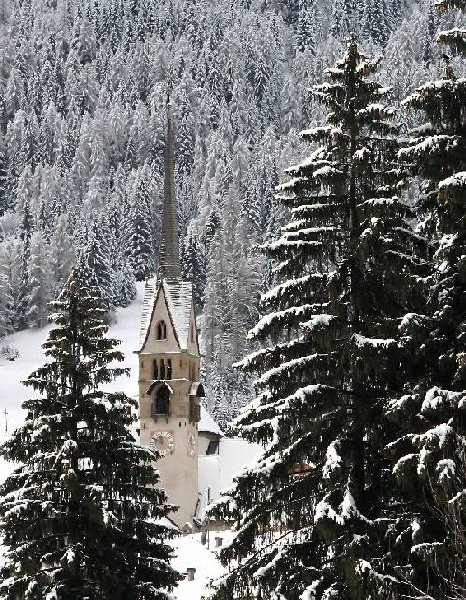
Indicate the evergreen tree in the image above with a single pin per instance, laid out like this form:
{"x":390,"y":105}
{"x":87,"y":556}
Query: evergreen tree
{"x":140,"y":246}
{"x":81,"y":515}
{"x":6,"y":300}
{"x":317,"y":515}
{"x":21,"y":271}
{"x":39,"y":282}
{"x":7,"y":273}
{"x":193,"y":263}
{"x":94,"y":261}
{"x":374,"y":24}
{"x":430,"y":455}
{"x":80,"y":112}
{"x":5,"y":201}
{"x":62,"y":254}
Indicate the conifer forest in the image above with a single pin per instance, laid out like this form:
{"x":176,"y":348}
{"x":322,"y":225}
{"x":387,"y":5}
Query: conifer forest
{"x":320,"y":178}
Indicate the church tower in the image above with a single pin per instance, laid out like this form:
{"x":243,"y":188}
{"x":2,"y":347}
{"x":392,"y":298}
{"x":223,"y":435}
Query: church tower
{"x":169,"y":362}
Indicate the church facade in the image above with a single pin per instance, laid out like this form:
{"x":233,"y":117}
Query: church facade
{"x":171,"y":416}
{"x":169,"y":363}
{"x":170,"y":392}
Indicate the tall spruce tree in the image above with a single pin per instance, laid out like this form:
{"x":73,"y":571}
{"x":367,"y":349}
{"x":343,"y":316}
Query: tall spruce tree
{"x":81,"y":516}
{"x":430,"y":455}
{"x":316,"y":517}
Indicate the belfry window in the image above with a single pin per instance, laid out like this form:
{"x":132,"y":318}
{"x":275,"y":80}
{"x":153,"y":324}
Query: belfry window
{"x":194,"y":410}
{"x":161,"y":330}
{"x":169,"y":368}
{"x":161,"y":404}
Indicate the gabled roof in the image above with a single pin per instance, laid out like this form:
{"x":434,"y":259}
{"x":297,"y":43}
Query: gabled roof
{"x":147,"y":309}
{"x":207,"y":423}
{"x":179,"y":298}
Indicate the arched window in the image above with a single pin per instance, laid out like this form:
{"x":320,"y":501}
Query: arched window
{"x":169,"y":368}
{"x":162,"y":369}
{"x":161,"y":404}
{"x":161,"y":330}
{"x":156,"y":370}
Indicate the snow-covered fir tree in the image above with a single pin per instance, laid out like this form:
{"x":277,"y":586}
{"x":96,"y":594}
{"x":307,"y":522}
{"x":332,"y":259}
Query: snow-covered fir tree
{"x":81,"y":115}
{"x":429,"y":456}
{"x":82,"y":516}
{"x":316,"y":516}
{"x":39,"y":281}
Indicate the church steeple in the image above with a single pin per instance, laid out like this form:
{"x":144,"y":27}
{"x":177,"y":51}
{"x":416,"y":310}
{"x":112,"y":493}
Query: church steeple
{"x":169,"y":361}
{"x":169,"y":266}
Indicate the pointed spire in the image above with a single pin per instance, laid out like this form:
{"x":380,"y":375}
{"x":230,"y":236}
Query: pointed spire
{"x":169,"y":241}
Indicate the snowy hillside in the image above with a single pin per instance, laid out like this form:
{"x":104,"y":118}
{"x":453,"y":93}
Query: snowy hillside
{"x":190,"y":552}
{"x":28,"y":344}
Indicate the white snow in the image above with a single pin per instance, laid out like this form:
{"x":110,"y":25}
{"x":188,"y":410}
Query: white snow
{"x":318,"y":321}
{"x":456,"y":180}
{"x":436,"y":437}
{"x":446,"y":471}
{"x":436,"y":397}
{"x":29,"y":342}
{"x":310,"y":592}
{"x":236,"y":453}
{"x":192,"y":554}
{"x":207,"y":423}
{"x":333,"y":459}
{"x":362,"y":341}
{"x":216,"y":471}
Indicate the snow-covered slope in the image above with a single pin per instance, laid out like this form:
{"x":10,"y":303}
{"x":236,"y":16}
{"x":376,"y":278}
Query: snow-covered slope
{"x":190,"y":552}
{"x":28,"y":344}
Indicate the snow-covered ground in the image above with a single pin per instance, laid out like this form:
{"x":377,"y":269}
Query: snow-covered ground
{"x":28,"y":343}
{"x":190,"y":552}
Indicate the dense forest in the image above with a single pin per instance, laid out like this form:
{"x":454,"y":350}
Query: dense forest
{"x":360,"y":371}
{"x":83,"y":91}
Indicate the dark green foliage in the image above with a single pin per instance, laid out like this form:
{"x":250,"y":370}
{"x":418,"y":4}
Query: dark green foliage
{"x":81,"y":515}
{"x":430,"y":454}
{"x":318,"y":513}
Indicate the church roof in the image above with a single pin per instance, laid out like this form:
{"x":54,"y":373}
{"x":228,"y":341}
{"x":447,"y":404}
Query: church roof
{"x":148,"y":306}
{"x":178,"y":293}
{"x":169,"y":264}
{"x":178,"y":296}
{"x":207,"y":423}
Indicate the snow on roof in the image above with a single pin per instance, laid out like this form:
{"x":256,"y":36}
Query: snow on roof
{"x":165,"y":522}
{"x":216,"y":471}
{"x":150,"y":289}
{"x":207,"y":423}
{"x":197,"y":389}
{"x":178,"y":295}
{"x":191,"y":553}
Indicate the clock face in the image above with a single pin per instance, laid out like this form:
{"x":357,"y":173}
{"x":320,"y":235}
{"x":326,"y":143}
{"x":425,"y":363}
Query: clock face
{"x":163,"y":441}
{"x":191,"y":444}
